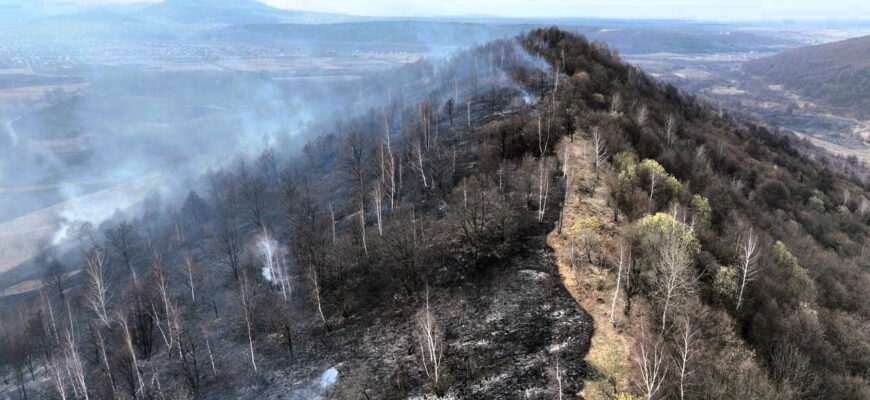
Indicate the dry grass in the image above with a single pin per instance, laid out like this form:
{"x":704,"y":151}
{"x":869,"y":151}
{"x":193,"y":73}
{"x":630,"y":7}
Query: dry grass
{"x":31,"y":285}
{"x":19,"y":237}
{"x":592,"y":285}
{"x":862,"y":153}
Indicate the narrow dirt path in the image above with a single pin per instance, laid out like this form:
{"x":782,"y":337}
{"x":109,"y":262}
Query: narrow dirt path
{"x":592,"y":284}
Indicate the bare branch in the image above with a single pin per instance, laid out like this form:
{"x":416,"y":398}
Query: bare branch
{"x":96,"y":285}
{"x":747,"y":261}
{"x":430,"y":337}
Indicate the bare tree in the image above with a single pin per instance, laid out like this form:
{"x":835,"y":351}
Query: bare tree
{"x":188,"y":344}
{"x":674,"y":277}
{"x":353,"y":163}
{"x":54,"y":276}
{"x":210,"y":355}
{"x":55,"y":369}
{"x":430,"y":337}
{"x":599,"y":149}
{"x":101,"y":343}
{"x":169,"y":311}
{"x":311,"y":244}
{"x":557,"y":375}
{"x":543,"y":139}
{"x":362,"y":227}
{"x":230,"y":251}
{"x":747,"y":260}
{"x":670,"y":127}
{"x":387,"y":164}
{"x":96,"y":285}
{"x":75,"y":366}
{"x":377,"y":196}
{"x":649,"y":357}
{"x":623,"y":260}
{"x":795,"y":374}
{"x":426,"y":121}
{"x":615,"y":102}
{"x":685,"y":344}
{"x":83,"y":231}
{"x":247,"y":304}
{"x":566,"y":169}
{"x":122,"y":238}
{"x":641,"y":115}
{"x":468,"y":108}
{"x":418,"y":165}
{"x":53,"y":336}
{"x":253,"y":189}
{"x":128,"y":341}
{"x":274,"y":258}
{"x":332,"y":224}
{"x":543,"y":180}
{"x":314,"y":278}
{"x":190,"y":265}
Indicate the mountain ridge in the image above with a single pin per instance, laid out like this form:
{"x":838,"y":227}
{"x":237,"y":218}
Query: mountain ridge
{"x":835,"y":74}
{"x":231,"y":12}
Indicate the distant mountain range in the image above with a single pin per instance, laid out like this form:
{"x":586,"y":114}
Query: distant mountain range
{"x":834,"y":75}
{"x":231,"y":12}
{"x":93,"y":16}
{"x":187,"y":12}
{"x":393,"y":34}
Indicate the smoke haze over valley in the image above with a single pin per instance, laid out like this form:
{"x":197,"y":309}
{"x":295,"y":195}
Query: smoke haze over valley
{"x":239,"y":199}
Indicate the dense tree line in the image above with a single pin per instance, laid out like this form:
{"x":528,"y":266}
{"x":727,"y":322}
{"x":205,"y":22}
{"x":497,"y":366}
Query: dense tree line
{"x":778,"y":237}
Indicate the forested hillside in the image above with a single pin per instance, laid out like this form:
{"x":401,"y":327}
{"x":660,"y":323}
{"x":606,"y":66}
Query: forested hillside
{"x":532,"y":218}
{"x":734,"y":237}
{"x":834,"y":75}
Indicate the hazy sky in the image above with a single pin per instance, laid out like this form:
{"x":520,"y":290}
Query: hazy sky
{"x":682,"y":9}
{"x":675,"y":9}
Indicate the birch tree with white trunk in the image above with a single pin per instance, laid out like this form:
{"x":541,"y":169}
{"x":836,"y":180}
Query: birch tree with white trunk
{"x":418,"y":165}
{"x":431,"y":340}
{"x":649,"y":358}
{"x":128,"y":342}
{"x":623,"y":260}
{"x":641,"y":115}
{"x":685,"y":352}
{"x":96,"y":285}
{"x":557,"y":376}
{"x":653,"y":178}
{"x":75,"y":366}
{"x":747,"y":261}
{"x":247,"y":304}
{"x":101,"y":343}
{"x":543,"y":180}
{"x":615,"y":102}
{"x":377,"y":198}
{"x":189,"y":264}
{"x":55,"y":369}
{"x":314,"y":279}
{"x":674,"y":276}
{"x":599,"y":149}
